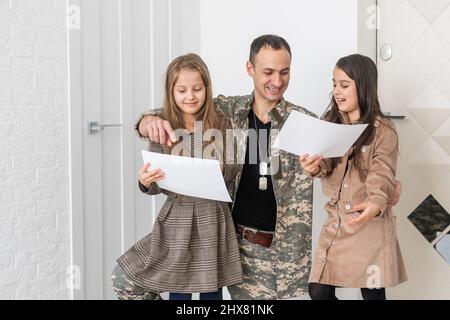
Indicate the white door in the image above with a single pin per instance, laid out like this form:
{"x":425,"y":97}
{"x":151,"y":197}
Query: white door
{"x":414,"y":64}
{"x":118,"y":53}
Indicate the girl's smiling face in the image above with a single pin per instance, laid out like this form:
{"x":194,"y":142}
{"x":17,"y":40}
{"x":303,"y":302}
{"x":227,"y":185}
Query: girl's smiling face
{"x":344,"y":92}
{"x":189,"y":92}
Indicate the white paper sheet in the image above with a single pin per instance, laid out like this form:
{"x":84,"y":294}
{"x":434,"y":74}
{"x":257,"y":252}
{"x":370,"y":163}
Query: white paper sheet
{"x":304,"y":134}
{"x":201,"y":178}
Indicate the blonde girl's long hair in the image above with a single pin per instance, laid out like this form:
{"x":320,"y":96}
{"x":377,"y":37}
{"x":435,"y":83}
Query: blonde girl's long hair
{"x":173,"y":114}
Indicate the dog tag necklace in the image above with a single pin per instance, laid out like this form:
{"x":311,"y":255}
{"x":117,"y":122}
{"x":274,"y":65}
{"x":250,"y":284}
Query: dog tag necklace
{"x":263,"y":165}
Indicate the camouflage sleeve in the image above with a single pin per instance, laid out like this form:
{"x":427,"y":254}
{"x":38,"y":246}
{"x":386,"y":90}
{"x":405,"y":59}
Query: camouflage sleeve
{"x":226,"y":104}
{"x":155,"y":112}
{"x":305,"y":111}
{"x":309,"y":113}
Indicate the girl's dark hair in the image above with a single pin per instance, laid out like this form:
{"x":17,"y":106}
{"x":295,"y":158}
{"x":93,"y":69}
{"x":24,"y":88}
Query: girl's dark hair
{"x":363,"y":71}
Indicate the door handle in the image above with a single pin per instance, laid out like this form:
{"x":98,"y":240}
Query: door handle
{"x":94,"y":127}
{"x":394,"y":116}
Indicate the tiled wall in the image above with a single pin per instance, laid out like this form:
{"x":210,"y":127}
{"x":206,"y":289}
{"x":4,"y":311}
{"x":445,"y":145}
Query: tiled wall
{"x":416,"y":83}
{"x":34,"y":193}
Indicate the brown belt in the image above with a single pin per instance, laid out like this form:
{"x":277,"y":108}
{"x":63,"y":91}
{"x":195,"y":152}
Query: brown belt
{"x":257,"y":237}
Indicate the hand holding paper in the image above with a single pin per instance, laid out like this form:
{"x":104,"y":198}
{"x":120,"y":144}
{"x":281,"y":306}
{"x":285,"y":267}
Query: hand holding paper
{"x":147,"y":177}
{"x":193,"y":177}
{"x":310,"y":164}
{"x":303,"y":134}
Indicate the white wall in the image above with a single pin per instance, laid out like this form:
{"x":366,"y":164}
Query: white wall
{"x":319,"y":32}
{"x":34,"y":193}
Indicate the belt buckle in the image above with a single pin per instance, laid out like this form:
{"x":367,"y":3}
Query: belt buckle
{"x":243,"y":233}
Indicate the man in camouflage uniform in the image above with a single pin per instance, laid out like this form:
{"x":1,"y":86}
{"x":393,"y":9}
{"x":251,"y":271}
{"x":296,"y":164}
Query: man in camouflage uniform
{"x":280,"y":269}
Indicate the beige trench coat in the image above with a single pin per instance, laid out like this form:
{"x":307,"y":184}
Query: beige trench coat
{"x":364,"y":256}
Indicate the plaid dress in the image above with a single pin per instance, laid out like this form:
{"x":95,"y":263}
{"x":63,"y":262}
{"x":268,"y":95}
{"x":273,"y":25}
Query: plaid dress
{"x":193,"y":246}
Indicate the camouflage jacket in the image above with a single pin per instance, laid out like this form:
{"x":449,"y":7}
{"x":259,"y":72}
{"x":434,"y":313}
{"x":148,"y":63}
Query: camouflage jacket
{"x":293,"y":193}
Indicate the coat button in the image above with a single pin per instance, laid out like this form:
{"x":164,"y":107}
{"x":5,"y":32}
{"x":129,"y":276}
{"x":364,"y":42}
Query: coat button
{"x":363,"y":149}
{"x":336,"y":226}
{"x":346,"y":186}
{"x":347,"y":207}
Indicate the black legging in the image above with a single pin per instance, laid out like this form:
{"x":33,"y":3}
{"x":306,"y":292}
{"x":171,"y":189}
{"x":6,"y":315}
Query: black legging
{"x":319,"y":291}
